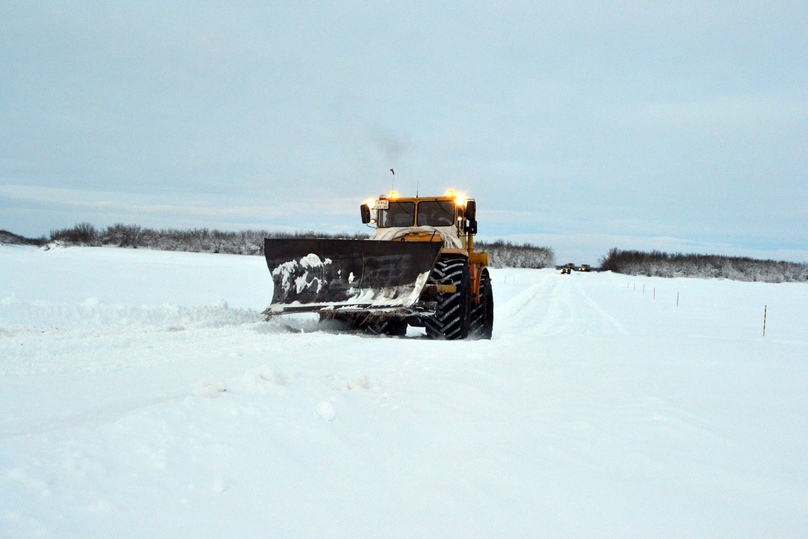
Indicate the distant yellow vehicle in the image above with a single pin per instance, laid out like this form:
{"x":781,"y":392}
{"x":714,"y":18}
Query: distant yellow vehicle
{"x":569,"y":268}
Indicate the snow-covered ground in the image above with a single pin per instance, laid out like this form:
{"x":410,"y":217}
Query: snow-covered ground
{"x":141,"y":395}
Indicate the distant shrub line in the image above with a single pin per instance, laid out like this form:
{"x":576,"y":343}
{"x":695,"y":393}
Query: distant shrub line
{"x":9,"y":238}
{"x":197,"y":240}
{"x":251,"y":242}
{"x":658,"y":264}
{"x":502,"y":254}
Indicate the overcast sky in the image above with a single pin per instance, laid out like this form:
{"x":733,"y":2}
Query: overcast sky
{"x":582,"y":126}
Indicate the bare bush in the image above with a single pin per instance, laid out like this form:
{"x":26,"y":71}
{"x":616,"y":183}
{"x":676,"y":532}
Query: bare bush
{"x":122,"y":235}
{"x":81,"y":234}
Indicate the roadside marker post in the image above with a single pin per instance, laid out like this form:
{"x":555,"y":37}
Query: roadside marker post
{"x":765,"y":308}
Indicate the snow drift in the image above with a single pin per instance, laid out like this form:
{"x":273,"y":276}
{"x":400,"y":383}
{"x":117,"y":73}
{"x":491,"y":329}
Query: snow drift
{"x":142,"y":396}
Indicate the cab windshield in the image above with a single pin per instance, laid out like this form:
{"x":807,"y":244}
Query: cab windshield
{"x":397,"y":214}
{"x":436,"y":213}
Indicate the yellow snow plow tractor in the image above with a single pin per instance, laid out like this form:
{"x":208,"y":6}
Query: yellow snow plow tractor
{"x":418,"y":269}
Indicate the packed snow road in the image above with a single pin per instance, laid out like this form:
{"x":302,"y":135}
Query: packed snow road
{"x":143,"y":396}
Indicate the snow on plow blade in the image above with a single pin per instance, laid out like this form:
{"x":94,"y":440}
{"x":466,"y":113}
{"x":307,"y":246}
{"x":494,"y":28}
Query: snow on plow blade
{"x":361,"y":275}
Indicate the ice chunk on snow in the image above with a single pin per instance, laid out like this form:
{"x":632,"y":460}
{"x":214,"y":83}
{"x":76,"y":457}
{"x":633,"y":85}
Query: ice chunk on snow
{"x":219,"y":486}
{"x":326,"y":410}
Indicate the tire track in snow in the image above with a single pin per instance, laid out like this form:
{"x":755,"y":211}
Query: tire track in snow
{"x":604,"y":315}
{"x":94,"y":417}
{"x":556,"y":305}
{"x":518,"y":313}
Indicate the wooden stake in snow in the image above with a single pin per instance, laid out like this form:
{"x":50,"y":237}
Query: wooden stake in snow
{"x":765,"y":308}
{"x":677,"y":299}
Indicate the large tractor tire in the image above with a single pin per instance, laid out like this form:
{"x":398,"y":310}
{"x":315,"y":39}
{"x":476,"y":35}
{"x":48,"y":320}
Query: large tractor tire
{"x":392,"y":326}
{"x":451,"y":320}
{"x":482,"y":315}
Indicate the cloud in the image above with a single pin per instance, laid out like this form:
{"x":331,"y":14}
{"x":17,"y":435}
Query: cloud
{"x":725,"y":112}
{"x":105,"y":205}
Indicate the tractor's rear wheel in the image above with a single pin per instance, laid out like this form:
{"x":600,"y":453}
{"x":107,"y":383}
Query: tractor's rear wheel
{"x":482,"y":315}
{"x":451,"y":320}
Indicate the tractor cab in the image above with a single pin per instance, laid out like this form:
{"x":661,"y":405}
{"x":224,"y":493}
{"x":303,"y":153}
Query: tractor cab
{"x":449,"y":218}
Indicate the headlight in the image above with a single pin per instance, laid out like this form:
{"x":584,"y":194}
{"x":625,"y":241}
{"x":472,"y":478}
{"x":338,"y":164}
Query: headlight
{"x":459,"y":198}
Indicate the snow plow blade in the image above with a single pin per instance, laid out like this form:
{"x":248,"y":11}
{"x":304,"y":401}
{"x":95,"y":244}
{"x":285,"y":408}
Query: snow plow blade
{"x":347,"y":275}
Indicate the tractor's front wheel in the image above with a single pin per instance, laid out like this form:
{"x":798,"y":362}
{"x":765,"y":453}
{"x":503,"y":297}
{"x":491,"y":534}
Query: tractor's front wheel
{"x":451,"y":320}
